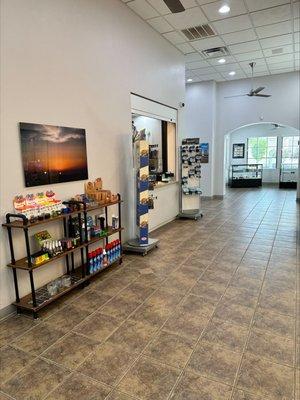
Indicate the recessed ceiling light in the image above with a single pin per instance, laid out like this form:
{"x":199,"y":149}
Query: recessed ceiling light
{"x":232,"y":73}
{"x":190,"y":80}
{"x":222,"y":61}
{"x":224,"y":9}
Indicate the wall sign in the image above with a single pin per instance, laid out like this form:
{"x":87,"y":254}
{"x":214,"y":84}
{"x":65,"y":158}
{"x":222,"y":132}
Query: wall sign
{"x":190,"y":141}
{"x":52,"y":154}
{"x":238,"y":150}
{"x":204,"y":152}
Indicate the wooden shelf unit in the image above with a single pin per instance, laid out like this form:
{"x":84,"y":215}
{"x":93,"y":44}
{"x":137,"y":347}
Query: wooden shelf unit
{"x":26,"y":302}
{"x":80,"y":275}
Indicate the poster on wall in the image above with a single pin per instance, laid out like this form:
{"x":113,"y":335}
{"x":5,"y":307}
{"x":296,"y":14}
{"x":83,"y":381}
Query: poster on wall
{"x":53,"y":154}
{"x":204,"y":151}
{"x":238,"y":150}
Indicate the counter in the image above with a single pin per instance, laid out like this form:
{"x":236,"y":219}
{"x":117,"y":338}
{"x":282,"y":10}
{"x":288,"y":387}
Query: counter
{"x":166,"y":204}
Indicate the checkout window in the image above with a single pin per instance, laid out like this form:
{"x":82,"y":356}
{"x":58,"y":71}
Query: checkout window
{"x":161,"y":136}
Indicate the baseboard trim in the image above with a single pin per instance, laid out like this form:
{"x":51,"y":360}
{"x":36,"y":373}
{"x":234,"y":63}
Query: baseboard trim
{"x":6,"y":311}
{"x":214,"y":197}
{"x":270,"y":184}
{"x":163,"y":224}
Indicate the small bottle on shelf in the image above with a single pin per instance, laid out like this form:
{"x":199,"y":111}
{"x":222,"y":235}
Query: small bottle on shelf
{"x":107,"y":248}
{"x":101,"y":257}
{"x":95,"y":261}
{"x":91,"y":263}
{"x":105,"y":261}
{"x":113,"y":250}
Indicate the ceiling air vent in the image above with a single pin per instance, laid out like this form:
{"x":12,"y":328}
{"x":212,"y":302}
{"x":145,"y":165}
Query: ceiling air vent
{"x":198,"y":32}
{"x":215,"y":52}
{"x":277,"y":51}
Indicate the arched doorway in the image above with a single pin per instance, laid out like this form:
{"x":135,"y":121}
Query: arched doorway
{"x":274,"y":145}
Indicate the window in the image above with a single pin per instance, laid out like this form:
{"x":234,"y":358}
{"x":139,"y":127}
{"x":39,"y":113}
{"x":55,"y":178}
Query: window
{"x":290,"y":152}
{"x":263,"y":150}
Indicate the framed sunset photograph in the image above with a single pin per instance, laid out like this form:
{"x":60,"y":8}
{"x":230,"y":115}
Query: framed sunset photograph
{"x":53,"y":154}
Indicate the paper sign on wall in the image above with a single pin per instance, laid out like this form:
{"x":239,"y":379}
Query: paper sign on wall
{"x":204,"y":151}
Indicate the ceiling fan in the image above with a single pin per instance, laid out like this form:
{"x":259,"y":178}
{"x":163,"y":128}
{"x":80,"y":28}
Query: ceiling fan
{"x":175,"y":6}
{"x":253,"y":92}
{"x":276,"y":126}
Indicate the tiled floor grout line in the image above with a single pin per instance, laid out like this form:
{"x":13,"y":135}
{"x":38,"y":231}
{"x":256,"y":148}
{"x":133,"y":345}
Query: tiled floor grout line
{"x":220,"y":222}
{"x":183,"y":370}
{"x":253,"y":316}
{"x":41,"y":322}
{"x":99,"y":310}
{"x":202,"y":333}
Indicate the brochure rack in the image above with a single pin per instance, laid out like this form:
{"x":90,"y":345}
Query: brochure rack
{"x":190,"y":176}
{"x":142,"y":243}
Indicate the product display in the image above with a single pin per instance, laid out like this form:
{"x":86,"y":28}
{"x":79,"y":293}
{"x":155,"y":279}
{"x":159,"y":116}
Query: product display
{"x":39,"y":207}
{"x":288,"y":177}
{"x":102,"y":257}
{"x":245,"y":175}
{"x":81,"y":232}
{"x":94,"y":191}
{"x":141,"y":244}
{"x":190,"y":156}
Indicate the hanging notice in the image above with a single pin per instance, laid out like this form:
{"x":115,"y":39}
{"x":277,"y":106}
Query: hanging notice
{"x":204,"y":152}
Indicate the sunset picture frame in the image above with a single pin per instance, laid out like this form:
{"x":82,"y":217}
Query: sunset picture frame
{"x":52,"y":154}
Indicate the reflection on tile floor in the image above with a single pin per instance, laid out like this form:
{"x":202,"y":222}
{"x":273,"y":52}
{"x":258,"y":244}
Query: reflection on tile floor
{"x":210,"y":315}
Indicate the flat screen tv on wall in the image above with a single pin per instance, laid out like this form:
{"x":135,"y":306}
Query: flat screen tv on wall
{"x":52,"y":154}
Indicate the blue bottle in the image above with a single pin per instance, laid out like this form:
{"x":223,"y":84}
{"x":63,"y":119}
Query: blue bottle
{"x":91,"y":263}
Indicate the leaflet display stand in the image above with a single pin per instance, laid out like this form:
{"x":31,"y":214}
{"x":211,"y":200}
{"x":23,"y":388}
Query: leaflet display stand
{"x":190,"y":175}
{"x":142,"y":244}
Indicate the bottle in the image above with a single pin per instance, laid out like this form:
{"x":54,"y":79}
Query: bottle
{"x":98,"y":259}
{"x":107,"y":253}
{"x":110,"y":246}
{"x":114,"y":222}
{"x":113,"y":250}
{"x":95,"y":260}
{"x":105,"y":262}
{"x":91,"y":264}
{"x":50,"y":250}
{"x":116,"y":249}
{"x":119,"y":248}
{"x":101,"y":257}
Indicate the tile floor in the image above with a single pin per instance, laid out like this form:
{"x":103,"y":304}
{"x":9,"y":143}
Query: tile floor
{"x":210,"y":315}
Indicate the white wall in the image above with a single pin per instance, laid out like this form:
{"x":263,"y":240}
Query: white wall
{"x":260,"y":130}
{"x":282,"y":107}
{"x":200,"y":119}
{"x":231,"y":113}
{"x":74,"y":63}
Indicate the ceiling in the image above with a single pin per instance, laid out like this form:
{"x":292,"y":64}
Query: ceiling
{"x":264,"y":31}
